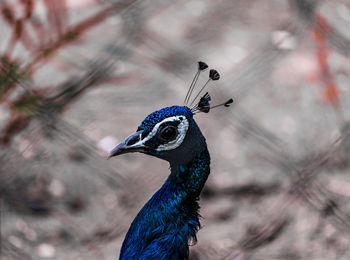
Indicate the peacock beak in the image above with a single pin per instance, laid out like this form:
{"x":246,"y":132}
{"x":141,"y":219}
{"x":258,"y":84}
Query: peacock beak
{"x":131,"y":144}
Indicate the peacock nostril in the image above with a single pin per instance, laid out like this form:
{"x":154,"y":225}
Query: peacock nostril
{"x":133,"y":140}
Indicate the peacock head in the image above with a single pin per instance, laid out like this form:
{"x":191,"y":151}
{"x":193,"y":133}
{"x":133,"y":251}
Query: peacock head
{"x":171,"y":133}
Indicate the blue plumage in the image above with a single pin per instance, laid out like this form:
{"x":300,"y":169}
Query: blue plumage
{"x":150,"y":121}
{"x":169,"y":221}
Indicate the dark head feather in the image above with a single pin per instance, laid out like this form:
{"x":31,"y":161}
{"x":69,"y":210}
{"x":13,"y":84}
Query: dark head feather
{"x":202,"y":65}
{"x":203,"y":104}
{"x":214,"y":75}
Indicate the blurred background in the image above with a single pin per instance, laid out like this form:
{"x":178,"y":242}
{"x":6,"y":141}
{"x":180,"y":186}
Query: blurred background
{"x":78,"y":76}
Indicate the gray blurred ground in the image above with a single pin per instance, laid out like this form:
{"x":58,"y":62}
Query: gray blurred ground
{"x":279,"y":184}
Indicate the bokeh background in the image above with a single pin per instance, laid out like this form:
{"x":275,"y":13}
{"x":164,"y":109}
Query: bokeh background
{"x":78,"y":76}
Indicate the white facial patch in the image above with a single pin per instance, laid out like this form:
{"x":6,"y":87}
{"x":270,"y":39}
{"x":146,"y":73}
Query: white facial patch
{"x":181,"y":129}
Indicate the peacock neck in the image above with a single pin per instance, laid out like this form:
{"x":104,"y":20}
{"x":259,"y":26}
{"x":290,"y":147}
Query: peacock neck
{"x":171,"y":215}
{"x":190,"y":178}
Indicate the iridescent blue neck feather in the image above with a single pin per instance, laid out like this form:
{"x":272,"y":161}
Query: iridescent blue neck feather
{"x":170,"y":219}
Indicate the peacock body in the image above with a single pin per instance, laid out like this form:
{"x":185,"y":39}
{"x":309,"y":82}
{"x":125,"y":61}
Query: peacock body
{"x":168,"y":222}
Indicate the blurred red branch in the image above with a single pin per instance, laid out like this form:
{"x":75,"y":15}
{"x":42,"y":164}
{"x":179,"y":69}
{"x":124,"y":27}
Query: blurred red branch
{"x":320,"y":32}
{"x":76,"y":31}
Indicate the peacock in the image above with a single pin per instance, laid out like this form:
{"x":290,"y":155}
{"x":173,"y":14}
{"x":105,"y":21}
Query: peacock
{"x":169,"y":221}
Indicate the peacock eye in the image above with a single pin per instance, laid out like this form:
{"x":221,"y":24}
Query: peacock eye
{"x":167,"y":133}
